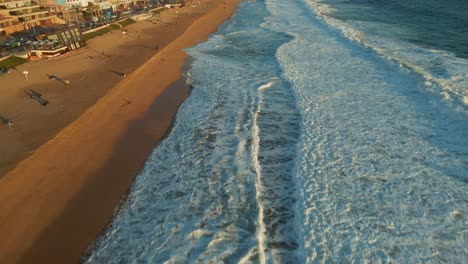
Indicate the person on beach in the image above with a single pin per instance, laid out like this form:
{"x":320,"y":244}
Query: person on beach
{"x":6,"y":122}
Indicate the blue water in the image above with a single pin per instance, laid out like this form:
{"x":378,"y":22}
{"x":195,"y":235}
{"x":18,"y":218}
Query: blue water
{"x":301,"y":144}
{"x":429,"y":37}
{"x":432,"y":24}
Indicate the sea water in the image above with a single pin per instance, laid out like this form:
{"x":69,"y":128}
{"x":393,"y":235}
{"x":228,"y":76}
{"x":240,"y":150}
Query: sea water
{"x":429,"y":37}
{"x":301,"y":144}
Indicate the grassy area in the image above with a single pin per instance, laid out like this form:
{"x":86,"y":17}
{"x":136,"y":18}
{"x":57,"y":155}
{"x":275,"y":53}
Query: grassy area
{"x":114,"y":26}
{"x":127,"y":22}
{"x":108,"y":29}
{"x":96,"y":33}
{"x":12,"y":62}
{"x":159,"y":10}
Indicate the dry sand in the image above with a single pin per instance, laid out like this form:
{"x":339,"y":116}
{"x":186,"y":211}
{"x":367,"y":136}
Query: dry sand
{"x":91,"y":72}
{"x":56,"y":201}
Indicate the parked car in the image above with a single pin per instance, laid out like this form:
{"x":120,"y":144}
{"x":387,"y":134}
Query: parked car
{"x":12,"y":44}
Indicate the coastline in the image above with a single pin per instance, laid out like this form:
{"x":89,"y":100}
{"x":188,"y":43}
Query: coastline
{"x":53,"y":215}
{"x":92,"y":72}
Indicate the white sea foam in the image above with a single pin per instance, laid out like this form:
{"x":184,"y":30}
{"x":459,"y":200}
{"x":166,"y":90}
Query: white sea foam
{"x":196,"y":198}
{"x":377,"y":163}
{"x":452,"y":85}
{"x":265,"y":86}
{"x":258,"y":185}
{"x":335,"y":156}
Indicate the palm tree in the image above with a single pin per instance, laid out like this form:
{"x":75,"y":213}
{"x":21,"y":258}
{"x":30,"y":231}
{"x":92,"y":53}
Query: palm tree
{"x":94,"y":9}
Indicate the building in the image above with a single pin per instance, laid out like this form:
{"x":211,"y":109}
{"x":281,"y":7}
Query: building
{"x":9,"y":24}
{"x":19,"y":15}
{"x":68,"y":10}
{"x":23,"y":15}
{"x":57,"y":43}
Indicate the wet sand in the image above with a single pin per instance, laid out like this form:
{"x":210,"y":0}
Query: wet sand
{"x":57,"y":200}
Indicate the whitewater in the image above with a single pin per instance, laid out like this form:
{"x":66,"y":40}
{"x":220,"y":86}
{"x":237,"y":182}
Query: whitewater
{"x":298,"y":145}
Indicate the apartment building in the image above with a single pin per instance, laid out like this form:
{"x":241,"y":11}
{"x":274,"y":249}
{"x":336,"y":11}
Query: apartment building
{"x":9,"y":24}
{"x":18,"y":15}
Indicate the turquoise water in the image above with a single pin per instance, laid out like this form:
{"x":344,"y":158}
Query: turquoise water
{"x":299,"y":144}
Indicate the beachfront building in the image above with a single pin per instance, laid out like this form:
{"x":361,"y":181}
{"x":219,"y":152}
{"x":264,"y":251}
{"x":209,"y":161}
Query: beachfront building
{"x":121,"y":5}
{"x":19,"y":15}
{"x":9,"y":24}
{"x":68,"y":10}
{"x":56,"y":44}
{"x":105,"y":8}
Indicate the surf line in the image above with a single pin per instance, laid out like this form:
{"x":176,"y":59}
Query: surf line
{"x":258,"y":171}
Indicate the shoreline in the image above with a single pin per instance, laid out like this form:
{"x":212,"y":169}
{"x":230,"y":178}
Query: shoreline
{"x":178,"y":91}
{"x":53,"y":216}
{"x":171,"y":97}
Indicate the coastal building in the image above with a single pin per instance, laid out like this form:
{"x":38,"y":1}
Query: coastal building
{"x":68,"y":10}
{"x":9,"y":24}
{"x":19,"y":15}
{"x":121,"y":5}
{"x":106,"y":8}
{"x":57,"y":43}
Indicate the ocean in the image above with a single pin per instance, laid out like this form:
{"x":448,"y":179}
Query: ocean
{"x":316,"y":131}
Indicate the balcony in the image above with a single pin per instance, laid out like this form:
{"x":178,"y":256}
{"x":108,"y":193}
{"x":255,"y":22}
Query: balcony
{"x":35,"y":18}
{"x":8,"y":23}
{"x":29,"y":11}
{"x":10,"y":1}
{"x":4,"y":19}
{"x":17,"y":5}
{"x":25,"y":7}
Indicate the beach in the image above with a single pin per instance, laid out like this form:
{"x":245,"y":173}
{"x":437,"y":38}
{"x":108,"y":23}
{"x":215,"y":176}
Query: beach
{"x":299,"y":144}
{"x":67,"y":165}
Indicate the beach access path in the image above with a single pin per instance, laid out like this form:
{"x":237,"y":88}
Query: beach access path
{"x":87,"y":145}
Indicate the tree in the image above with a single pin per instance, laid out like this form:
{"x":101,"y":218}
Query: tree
{"x":94,"y":9}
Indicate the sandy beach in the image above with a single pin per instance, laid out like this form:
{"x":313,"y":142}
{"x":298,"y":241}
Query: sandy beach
{"x":67,"y":165}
